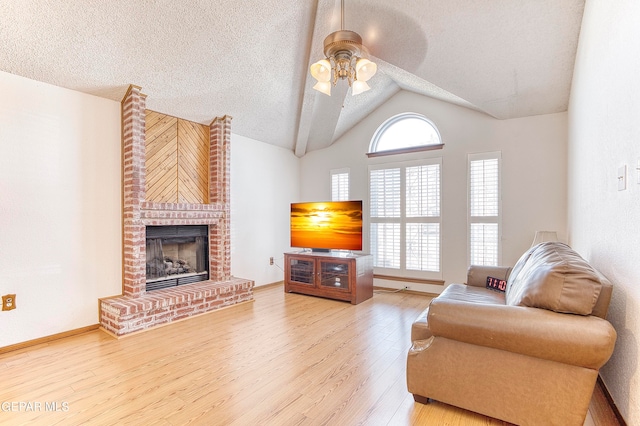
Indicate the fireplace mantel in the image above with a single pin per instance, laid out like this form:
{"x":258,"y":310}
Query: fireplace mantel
{"x":181,"y":213}
{"x":123,"y":314}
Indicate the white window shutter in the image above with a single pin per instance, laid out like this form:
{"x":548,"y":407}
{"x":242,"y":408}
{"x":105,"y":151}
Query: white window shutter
{"x":405,"y":217}
{"x":484,"y":209}
{"x":340,"y":185}
{"x":385,"y":192}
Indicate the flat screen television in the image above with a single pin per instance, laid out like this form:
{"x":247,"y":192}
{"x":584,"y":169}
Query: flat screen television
{"x":324,"y":226}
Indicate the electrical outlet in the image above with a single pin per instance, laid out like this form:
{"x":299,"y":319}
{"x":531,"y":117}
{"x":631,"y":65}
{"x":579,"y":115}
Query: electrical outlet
{"x":271,"y":260}
{"x":622,"y":178}
{"x":8,"y":302}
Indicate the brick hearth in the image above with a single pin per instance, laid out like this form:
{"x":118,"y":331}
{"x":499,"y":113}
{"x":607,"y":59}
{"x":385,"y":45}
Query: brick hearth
{"x":136,"y":309}
{"x":127,"y":314}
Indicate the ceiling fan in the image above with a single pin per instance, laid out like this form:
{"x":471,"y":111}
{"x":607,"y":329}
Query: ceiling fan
{"x":324,"y":119}
{"x":345,"y":59}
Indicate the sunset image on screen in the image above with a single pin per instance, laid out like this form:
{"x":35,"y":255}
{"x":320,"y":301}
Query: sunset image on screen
{"x":329,"y":225}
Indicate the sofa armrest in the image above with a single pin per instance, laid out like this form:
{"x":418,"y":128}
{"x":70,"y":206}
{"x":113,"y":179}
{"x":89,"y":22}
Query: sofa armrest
{"x":585,"y":341}
{"x":477,"y":274}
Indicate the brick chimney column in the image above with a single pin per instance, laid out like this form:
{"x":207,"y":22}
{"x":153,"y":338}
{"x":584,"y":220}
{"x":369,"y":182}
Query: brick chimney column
{"x":133,"y":180}
{"x":220,"y":193}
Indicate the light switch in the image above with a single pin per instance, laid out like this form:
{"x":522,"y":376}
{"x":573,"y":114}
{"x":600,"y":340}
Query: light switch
{"x":622,"y":178}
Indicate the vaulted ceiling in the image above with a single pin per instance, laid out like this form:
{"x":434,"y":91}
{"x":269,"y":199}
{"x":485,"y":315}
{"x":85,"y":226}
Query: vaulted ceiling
{"x":198,"y":59}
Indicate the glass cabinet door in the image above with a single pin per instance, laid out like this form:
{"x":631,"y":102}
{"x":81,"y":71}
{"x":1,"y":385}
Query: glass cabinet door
{"x":334,"y":275}
{"x":301,"y":270}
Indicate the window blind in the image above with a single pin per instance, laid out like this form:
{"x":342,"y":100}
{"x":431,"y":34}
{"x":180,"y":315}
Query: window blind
{"x":423,"y":246}
{"x":385,"y":192}
{"x":484,"y":244}
{"x":484,"y":187}
{"x":484,"y":210}
{"x":385,"y":245}
{"x":423,"y":191}
{"x":405,"y":217}
{"x":340,"y":186}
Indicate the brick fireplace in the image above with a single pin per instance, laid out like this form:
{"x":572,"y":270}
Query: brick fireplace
{"x":137,"y":309}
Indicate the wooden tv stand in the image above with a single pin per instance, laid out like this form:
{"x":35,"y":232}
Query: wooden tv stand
{"x":333,"y":275}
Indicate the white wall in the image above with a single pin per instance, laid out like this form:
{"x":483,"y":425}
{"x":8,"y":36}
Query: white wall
{"x":60,"y":207}
{"x":604,"y":134}
{"x":264,"y":182}
{"x":61,"y":214}
{"x":534,"y":155}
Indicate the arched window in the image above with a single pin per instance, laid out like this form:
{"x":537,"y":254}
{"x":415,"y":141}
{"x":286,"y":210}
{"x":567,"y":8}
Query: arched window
{"x":405,"y":200}
{"x":403,"y":133}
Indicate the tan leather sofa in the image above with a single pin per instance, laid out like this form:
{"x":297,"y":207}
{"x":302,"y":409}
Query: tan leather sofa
{"x":528,"y":356}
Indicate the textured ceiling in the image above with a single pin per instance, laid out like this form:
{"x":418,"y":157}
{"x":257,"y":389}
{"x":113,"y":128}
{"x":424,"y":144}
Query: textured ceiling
{"x":201,"y":59}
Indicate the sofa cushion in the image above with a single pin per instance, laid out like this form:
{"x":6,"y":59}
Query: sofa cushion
{"x":465,"y":293}
{"x":456,"y":292}
{"x":553,"y":276}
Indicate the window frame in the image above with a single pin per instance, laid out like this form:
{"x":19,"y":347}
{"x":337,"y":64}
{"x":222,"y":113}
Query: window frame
{"x":403,"y":220}
{"x":373,"y":150}
{"x":494,"y":155}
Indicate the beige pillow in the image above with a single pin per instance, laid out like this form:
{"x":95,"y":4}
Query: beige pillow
{"x":554,"y":277}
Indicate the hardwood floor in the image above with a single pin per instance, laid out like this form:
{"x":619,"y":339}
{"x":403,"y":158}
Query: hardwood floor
{"x":285,"y":359}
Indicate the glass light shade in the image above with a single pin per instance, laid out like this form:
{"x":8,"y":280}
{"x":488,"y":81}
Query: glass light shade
{"x":321,"y":70}
{"x":359,"y":87}
{"x":365,"y":69}
{"x":324,"y":87}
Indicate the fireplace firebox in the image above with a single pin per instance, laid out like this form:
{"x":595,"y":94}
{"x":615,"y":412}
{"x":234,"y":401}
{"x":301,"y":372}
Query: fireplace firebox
{"x":176,"y":255}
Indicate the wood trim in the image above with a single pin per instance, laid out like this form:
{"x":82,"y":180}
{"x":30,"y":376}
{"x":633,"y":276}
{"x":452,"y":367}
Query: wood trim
{"x":268,"y":286}
{"x":403,"y":290}
{"x":611,"y":402}
{"x":47,"y":339}
{"x":405,"y":150}
{"x":408,"y":280}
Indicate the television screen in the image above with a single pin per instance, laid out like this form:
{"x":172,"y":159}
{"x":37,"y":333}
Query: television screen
{"x":327,"y":225}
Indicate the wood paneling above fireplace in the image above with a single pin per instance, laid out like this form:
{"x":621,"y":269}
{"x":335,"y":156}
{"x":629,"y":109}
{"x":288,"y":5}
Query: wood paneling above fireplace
{"x":177,"y":160}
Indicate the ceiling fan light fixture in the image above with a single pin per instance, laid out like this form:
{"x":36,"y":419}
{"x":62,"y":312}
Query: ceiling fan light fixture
{"x":365,"y":69}
{"x":321,"y":70}
{"x":359,"y":87}
{"x":344,"y":59}
{"x":323,"y":87}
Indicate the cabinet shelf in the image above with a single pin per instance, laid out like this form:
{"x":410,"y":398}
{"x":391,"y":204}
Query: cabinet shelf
{"x":332,"y":275}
